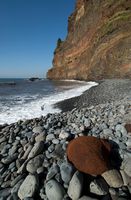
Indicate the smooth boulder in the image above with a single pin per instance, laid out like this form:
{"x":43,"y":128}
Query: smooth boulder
{"x":54,"y":190}
{"x":34,"y":164}
{"x":66,"y":171}
{"x":75,"y":186}
{"x":37,"y":149}
{"x":89,"y":154}
{"x":28,"y":187}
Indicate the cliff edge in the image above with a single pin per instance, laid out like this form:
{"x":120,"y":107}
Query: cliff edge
{"x":98,"y":43}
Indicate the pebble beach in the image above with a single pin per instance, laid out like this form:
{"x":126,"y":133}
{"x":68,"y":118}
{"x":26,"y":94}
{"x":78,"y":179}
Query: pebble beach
{"x":81,"y":153}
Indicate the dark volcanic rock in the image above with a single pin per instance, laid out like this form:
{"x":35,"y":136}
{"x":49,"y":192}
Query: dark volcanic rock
{"x":89,"y":154}
{"x":98,"y":42}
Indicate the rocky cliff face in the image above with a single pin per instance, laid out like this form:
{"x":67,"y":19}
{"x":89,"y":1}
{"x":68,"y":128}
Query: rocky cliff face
{"x":98,"y":44}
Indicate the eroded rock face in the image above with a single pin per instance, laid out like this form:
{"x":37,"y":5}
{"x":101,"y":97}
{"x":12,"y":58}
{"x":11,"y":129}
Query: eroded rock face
{"x":98,"y":42}
{"x":89,"y":154}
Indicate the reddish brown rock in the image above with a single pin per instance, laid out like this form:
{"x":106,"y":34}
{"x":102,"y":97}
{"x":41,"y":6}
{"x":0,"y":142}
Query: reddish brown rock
{"x":89,"y":154}
{"x":128,"y":128}
{"x":98,"y":42}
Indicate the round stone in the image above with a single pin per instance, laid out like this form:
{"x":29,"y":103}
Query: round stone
{"x":34,"y":164}
{"x":28,"y":187}
{"x":107,"y":132}
{"x":40,"y":137}
{"x":121,"y":128}
{"x":55,"y":141}
{"x":37,"y":129}
{"x":126,"y":166}
{"x":37,"y":149}
{"x":63,"y":135}
{"x":87,"y":152}
{"x":54,"y":190}
{"x":66,"y":171}
{"x":50,"y":137}
{"x":75,"y":186}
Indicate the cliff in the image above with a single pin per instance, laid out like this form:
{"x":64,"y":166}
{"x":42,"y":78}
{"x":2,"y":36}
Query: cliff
{"x":98,"y":43}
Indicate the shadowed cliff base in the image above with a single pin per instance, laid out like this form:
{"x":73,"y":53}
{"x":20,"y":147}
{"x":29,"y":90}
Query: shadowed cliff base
{"x":98,"y":42}
{"x":107,"y":91}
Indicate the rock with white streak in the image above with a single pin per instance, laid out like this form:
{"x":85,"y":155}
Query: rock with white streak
{"x":99,"y":187}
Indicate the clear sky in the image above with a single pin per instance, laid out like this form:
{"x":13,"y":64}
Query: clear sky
{"x":29,"y":30}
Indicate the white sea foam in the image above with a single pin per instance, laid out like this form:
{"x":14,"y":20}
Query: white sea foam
{"x":33,"y":108}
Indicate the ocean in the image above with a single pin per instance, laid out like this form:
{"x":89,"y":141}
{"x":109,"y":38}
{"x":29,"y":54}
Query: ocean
{"x":22,"y":99}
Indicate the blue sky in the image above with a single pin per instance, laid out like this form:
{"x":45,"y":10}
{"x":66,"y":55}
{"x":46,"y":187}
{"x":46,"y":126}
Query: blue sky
{"x":29,"y":30}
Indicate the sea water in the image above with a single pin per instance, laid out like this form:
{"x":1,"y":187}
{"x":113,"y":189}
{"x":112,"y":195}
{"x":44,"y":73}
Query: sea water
{"x":21,"y":99}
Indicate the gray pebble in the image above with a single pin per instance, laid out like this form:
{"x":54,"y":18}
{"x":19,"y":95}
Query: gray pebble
{"x":37,"y":129}
{"x":75,"y":186}
{"x":66,"y":170}
{"x":54,"y":190}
